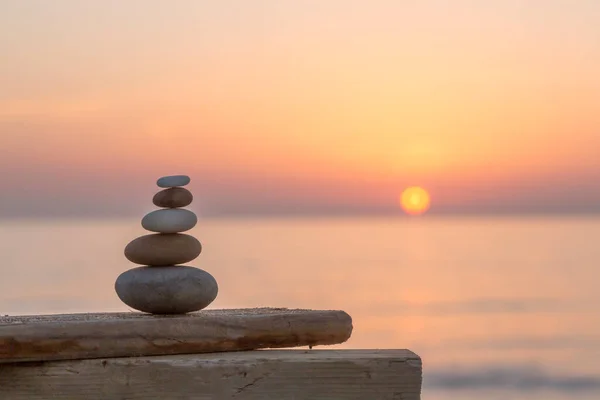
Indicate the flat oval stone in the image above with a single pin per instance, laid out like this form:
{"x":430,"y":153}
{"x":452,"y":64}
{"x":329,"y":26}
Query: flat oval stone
{"x":166,"y":290}
{"x":174,"y":197}
{"x":174,"y":220}
{"x":173,"y":181}
{"x":160,"y":249}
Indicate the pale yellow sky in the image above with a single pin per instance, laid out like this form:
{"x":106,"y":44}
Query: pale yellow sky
{"x":302,"y":105}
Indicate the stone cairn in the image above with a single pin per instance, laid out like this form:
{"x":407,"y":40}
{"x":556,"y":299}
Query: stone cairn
{"x":161,"y":285}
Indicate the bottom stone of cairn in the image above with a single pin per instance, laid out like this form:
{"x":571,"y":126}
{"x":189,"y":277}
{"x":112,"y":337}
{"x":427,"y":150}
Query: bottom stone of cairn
{"x":166,"y":290}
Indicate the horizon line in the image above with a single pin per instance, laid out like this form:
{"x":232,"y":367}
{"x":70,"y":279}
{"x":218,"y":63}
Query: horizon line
{"x":312,"y":215}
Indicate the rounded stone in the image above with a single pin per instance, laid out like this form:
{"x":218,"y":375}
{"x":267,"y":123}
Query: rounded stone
{"x":174,"y":197}
{"x":169,"y":221}
{"x":173,"y":181}
{"x":160,"y":249}
{"x":166,"y":290}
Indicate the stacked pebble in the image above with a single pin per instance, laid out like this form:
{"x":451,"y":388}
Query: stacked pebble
{"x":161,"y":285}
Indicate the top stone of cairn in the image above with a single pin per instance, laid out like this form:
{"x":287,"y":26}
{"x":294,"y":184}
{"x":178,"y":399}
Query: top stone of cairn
{"x":173,"y":181}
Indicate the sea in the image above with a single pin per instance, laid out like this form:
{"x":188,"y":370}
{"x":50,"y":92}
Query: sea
{"x":497,"y":307}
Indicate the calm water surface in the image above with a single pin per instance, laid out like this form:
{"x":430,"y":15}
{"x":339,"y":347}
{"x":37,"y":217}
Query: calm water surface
{"x":497,"y":308}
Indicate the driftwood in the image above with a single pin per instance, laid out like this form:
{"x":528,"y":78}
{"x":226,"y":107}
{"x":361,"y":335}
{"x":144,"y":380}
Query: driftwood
{"x":87,"y":336}
{"x":262,"y":374}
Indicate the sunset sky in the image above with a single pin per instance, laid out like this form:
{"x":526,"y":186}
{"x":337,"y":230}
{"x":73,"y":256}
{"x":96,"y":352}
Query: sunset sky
{"x":300,"y":107}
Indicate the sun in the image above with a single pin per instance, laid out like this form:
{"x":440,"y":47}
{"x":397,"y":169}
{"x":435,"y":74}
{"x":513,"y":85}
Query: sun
{"x":415,"y":200}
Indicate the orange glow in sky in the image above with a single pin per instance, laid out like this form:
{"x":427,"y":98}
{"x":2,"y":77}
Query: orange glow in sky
{"x":330,"y":104}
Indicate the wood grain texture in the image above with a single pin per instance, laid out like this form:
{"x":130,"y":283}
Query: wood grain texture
{"x":86,"y":336}
{"x":261,"y":374}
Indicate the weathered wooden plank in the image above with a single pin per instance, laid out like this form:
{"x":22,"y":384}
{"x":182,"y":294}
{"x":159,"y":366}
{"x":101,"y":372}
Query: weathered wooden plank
{"x":262,"y":374}
{"x":83,"y":336}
